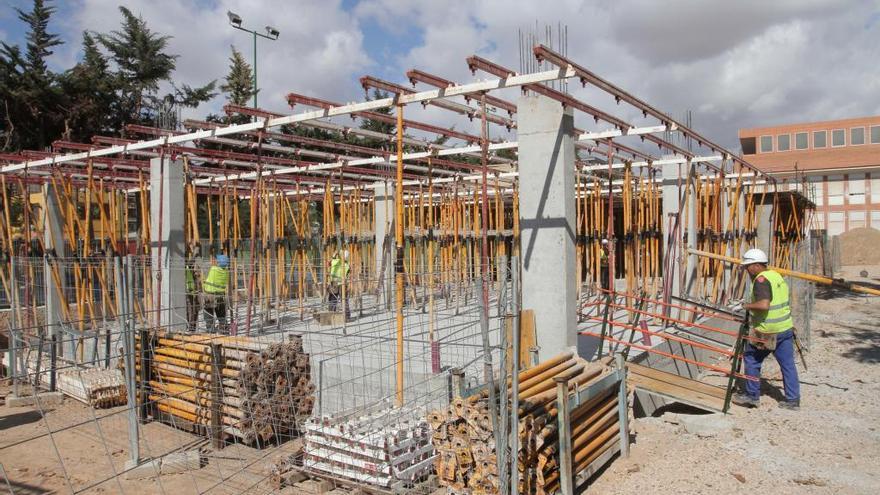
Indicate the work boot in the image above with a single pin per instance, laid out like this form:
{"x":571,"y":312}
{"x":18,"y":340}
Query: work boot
{"x":791,"y":405}
{"x":744,"y":400}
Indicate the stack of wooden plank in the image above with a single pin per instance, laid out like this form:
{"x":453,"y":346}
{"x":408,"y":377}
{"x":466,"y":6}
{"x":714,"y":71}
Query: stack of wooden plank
{"x":265,"y":389}
{"x":388,"y":448}
{"x":464,"y":439}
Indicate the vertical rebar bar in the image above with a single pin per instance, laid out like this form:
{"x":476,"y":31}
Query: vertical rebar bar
{"x":514,"y":385}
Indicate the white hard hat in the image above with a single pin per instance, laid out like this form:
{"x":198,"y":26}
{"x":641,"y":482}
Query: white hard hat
{"x":753,"y":256}
{"x":604,"y":241}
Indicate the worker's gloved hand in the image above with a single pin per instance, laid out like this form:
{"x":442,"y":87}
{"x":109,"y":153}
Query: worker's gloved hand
{"x":736,"y":306}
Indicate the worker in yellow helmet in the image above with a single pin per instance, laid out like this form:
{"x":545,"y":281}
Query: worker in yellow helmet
{"x":772,"y":332}
{"x":215,"y":290}
{"x":339,"y":269}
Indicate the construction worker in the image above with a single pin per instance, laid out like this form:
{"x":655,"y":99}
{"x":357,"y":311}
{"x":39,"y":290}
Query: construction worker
{"x":338,"y":273}
{"x":603,"y":262}
{"x":193,"y":304}
{"x":215,"y":292}
{"x":771,"y":323}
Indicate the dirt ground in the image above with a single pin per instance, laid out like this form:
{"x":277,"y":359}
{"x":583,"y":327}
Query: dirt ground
{"x":830,"y":446}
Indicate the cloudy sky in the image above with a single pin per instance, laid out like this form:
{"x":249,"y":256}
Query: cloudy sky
{"x":734,"y":64}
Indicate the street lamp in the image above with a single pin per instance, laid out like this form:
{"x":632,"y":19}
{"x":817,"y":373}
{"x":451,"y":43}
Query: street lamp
{"x":271,"y":34}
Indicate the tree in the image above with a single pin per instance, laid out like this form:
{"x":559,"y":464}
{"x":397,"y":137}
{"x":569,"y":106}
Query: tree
{"x":28,"y":88}
{"x":141,"y":64}
{"x":239,"y":85}
{"x":90,"y":91}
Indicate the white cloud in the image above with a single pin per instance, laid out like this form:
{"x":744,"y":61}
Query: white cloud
{"x":736,"y":64}
{"x":320,"y":49}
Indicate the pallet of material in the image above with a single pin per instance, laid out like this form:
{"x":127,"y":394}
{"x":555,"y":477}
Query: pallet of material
{"x":464,"y":439}
{"x":96,"y":387}
{"x":389,"y":449}
{"x":265,"y":390}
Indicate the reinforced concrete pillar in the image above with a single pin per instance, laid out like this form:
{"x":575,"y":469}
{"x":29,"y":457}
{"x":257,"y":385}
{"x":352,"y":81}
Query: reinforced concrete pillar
{"x":673,"y":195}
{"x":384,"y":220}
{"x":167,"y":242}
{"x":547,"y":221}
{"x":56,"y":251}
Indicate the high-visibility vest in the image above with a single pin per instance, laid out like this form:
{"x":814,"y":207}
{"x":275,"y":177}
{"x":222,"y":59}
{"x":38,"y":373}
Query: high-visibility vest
{"x":603,"y":257}
{"x":338,"y":270}
{"x":216,"y":281}
{"x":778,"y":318}
{"x":190,"y":280}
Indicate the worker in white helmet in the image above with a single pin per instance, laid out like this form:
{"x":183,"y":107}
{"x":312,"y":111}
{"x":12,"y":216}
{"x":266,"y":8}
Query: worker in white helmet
{"x":772,"y":331}
{"x":339,"y":269}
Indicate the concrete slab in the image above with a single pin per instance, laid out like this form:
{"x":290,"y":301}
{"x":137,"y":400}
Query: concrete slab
{"x":181,"y":462}
{"x":144,"y":470}
{"x":44,"y":399}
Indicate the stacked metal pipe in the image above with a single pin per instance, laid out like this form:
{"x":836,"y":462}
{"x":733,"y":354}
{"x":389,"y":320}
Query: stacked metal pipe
{"x":265,"y":389}
{"x":463,"y":435}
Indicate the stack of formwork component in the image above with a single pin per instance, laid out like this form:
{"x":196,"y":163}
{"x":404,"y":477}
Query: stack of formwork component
{"x":387,"y":448}
{"x":464,"y":438}
{"x":99,"y":388}
{"x":265,"y":389}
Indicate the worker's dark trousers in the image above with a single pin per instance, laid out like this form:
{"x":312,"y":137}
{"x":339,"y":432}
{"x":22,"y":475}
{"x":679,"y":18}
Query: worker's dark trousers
{"x":193,"y":306}
{"x":215,"y":312}
{"x":784,"y":353}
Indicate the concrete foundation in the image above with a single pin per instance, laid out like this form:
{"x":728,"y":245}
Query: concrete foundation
{"x":167,"y":241}
{"x":44,"y":399}
{"x":547,"y":211}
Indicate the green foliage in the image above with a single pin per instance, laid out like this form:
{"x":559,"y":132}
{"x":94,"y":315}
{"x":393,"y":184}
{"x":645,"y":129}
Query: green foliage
{"x":116,"y":82}
{"x":239,"y":85}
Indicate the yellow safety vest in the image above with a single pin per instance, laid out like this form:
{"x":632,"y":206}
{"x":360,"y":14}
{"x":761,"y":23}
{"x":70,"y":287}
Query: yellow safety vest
{"x":216,"y":281}
{"x":190,"y":280}
{"x":778,"y":318}
{"x":338,"y":270}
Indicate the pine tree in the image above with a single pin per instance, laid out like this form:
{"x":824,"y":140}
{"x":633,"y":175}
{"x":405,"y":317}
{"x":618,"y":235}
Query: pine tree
{"x":142,"y":64}
{"x":90,"y":92}
{"x":239,"y":85}
{"x":28,"y":89}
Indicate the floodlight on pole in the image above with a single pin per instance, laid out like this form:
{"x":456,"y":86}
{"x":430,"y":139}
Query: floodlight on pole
{"x":235,"y":21}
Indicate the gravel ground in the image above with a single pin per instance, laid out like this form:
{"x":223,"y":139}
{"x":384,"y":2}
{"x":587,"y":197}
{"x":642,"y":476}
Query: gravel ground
{"x":830,"y":446}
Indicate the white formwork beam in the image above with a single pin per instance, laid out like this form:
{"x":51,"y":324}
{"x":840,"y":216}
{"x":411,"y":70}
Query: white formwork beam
{"x":424,"y":96}
{"x":632,"y":131}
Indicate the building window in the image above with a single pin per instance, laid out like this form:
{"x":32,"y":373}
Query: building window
{"x":835,"y":190}
{"x":820,"y":139}
{"x":875,"y":188}
{"x":766,"y":144}
{"x":800,"y":141}
{"x":857,"y":135}
{"x":835,"y":223}
{"x":856,"y":189}
{"x":875,"y":134}
{"x":783,"y":142}
{"x":819,"y":221}
{"x":856,"y":220}
{"x":817,"y":190}
{"x":838,"y":137}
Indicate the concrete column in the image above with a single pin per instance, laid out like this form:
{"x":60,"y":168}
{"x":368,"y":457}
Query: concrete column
{"x":53,"y":239}
{"x":167,"y":209}
{"x":547,"y":211}
{"x":384,"y":220}
{"x":672,"y":204}
{"x":692,"y":260}
{"x":764,"y":215}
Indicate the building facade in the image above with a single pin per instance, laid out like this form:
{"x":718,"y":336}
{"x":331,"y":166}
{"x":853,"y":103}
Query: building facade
{"x":839,"y":160}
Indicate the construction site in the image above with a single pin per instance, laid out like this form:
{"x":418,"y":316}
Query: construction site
{"x":550,"y":304}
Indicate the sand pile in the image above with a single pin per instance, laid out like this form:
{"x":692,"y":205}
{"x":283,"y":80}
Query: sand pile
{"x":860,"y":247}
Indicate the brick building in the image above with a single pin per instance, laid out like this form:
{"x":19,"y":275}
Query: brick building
{"x":840,"y":160}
